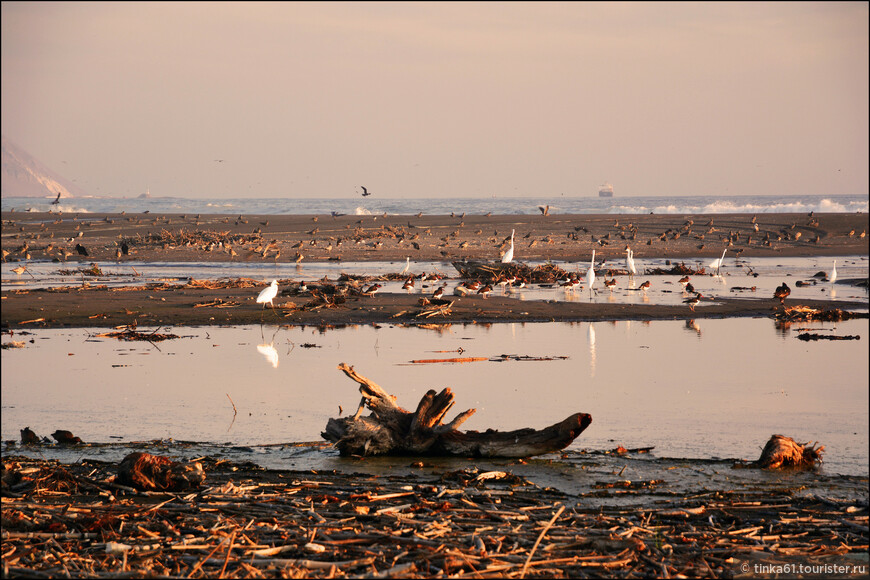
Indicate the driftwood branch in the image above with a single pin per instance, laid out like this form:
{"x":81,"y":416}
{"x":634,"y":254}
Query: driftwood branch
{"x":392,"y":430}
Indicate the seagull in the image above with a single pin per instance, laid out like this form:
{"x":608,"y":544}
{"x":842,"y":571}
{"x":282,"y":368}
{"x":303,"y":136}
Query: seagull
{"x":509,"y":255}
{"x":56,"y":201}
{"x":365,"y":191}
{"x":268,"y":294}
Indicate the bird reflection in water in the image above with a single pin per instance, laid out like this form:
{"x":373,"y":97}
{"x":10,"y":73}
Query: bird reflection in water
{"x":268,"y":349}
{"x":691,"y":325}
{"x":590,"y":335}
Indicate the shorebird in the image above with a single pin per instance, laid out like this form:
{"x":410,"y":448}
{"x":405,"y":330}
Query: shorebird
{"x":371,"y":290}
{"x":409,"y":284}
{"x":693,"y":301}
{"x":782,"y":292}
{"x":590,"y":273}
{"x":833,"y":277}
{"x":644,"y":286}
{"x":629,"y":261}
{"x":690,"y":288}
{"x":684,"y":281}
{"x":81,"y":250}
{"x":268,"y":294}
{"x":610,"y":283}
{"x":439,"y":292}
{"x":717,"y":263}
{"x":485,"y":290}
{"x":509,"y":255}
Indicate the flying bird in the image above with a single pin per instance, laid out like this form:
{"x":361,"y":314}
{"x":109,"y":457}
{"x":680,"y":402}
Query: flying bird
{"x":365,"y":192}
{"x":57,"y":200}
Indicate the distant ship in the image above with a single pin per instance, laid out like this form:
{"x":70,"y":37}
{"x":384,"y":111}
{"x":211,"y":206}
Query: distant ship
{"x":606,"y":190}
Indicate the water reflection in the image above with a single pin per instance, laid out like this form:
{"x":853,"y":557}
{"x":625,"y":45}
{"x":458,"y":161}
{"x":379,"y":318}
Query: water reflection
{"x":269,"y":351}
{"x":100,"y":388}
{"x":692,"y":326}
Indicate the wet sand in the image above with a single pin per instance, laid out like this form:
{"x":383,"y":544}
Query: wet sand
{"x":283,"y":239}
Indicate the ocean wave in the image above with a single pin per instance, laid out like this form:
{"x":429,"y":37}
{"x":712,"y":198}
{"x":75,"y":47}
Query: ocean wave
{"x":361,"y":211}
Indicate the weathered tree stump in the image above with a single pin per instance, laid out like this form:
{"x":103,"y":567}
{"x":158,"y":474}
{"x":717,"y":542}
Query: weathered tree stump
{"x":781,"y":451}
{"x":391,"y":430}
{"x":155,"y":473}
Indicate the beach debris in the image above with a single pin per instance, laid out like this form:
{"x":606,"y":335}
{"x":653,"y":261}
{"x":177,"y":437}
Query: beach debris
{"x":676,"y":270}
{"x":493,"y":271}
{"x":157,"y":473}
{"x":391,"y":430}
{"x":65,"y":437}
{"x":218,"y":303}
{"x":28,"y":437}
{"x":13,"y":344}
{"x":434,"y":307}
{"x":807,"y":313}
{"x":781,"y":451}
{"x":807,"y":336}
{"x":129,"y":332}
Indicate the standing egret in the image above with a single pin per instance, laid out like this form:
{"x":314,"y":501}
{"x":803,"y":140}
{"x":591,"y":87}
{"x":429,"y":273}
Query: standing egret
{"x":717,"y":263}
{"x":268,"y":294}
{"x":509,"y":255}
{"x":407,"y":266}
{"x":590,"y":273}
{"x":833,"y":277}
{"x":629,"y":261}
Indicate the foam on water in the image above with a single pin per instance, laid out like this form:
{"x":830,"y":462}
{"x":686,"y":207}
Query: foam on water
{"x":441,"y":206}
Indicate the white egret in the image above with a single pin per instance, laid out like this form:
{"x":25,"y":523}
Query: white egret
{"x":833,"y":277}
{"x":629,"y":261}
{"x":509,"y":255}
{"x":717,"y":263}
{"x":590,"y":273}
{"x":268,"y":294}
{"x":407,"y":266}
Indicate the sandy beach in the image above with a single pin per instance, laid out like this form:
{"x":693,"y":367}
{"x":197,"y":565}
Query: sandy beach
{"x":289,"y":239}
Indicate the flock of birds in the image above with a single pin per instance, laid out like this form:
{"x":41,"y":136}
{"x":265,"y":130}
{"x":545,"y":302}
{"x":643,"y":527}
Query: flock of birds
{"x":511,"y":282}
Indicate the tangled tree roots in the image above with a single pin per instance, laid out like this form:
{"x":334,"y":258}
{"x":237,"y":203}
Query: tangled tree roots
{"x":154,"y":473}
{"x":782,"y":451}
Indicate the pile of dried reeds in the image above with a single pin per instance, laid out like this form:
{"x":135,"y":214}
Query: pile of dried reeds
{"x":76,"y":521}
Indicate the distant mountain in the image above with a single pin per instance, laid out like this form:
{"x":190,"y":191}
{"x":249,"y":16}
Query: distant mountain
{"x":24,"y":176}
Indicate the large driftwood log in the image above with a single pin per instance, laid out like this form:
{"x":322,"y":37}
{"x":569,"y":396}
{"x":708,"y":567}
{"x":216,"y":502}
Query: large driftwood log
{"x":391,"y":430}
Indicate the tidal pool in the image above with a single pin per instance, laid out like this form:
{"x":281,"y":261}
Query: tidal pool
{"x":690,"y":389}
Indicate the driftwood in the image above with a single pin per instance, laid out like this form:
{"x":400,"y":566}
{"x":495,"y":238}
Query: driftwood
{"x":781,"y":451}
{"x":391,"y":430}
{"x":155,"y":473}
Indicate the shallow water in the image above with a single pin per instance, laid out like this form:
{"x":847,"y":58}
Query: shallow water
{"x":738,"y":277}
{"x":693,"y":389}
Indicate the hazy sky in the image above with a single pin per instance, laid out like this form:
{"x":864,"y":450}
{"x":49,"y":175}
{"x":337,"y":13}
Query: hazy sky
{"x":441,"y":99}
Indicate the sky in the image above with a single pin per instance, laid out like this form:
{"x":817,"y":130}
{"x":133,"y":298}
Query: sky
{"x":443,"y":99}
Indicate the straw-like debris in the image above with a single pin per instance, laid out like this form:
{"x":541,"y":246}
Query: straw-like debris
{"x":391,"y":430}
{"x":806,"y":313}
{"x":75,"y":520}
{"x":492,"y":271}
{"x":676,"y":270}
{"x":130,"y":333}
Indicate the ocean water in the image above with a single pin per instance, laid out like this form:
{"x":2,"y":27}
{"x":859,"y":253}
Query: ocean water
{"x":497,"y":205}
